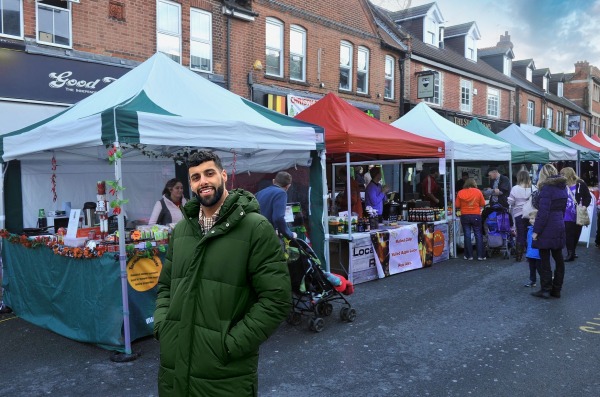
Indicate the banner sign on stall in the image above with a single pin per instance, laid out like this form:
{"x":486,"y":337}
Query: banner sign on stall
{"x":396,"y":250}
{"x":363,"y":260}
{"x":441,"y":249}
{"x":143,"y":272}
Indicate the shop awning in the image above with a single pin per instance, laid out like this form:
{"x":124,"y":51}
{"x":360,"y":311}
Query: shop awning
{"x":519,"y":155}
{"x":349,"y":130}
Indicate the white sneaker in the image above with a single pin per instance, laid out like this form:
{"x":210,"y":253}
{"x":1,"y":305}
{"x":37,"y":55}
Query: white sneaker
{"x":468,"y":259}
{"x":481,"y":259}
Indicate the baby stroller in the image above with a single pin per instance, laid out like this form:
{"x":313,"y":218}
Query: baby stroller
{"x":497,"y":226}
{"x":313,"y":290}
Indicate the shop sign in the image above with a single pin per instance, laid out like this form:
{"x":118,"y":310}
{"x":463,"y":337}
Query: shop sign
{"x":574,"y":121}
{"x":425,"y":85}
{"x":463,"y":122}
{"x":296,"y":104}
{"x":49,"y":79}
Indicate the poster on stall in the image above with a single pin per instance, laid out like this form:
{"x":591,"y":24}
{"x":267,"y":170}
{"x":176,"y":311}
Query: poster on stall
{"x":362,"y":260}
{"x":425,"y":231}
{"x":396,"y":250}
{"x":441,"y":248}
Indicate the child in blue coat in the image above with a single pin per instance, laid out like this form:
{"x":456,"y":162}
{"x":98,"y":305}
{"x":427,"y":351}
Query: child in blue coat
{"x":533,"y":254}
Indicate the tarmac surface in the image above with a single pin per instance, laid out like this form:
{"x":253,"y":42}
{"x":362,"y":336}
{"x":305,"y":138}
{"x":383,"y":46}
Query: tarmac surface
{"x":459,"y":328}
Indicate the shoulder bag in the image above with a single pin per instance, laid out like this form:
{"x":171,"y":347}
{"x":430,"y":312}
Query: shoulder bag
{"x":582,"y":217}
{"x":528,"y":207}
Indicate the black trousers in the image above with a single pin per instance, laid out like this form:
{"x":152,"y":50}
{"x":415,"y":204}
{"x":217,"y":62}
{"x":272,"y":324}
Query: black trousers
{"x":573,"y":231}
{"x":547,"y":282}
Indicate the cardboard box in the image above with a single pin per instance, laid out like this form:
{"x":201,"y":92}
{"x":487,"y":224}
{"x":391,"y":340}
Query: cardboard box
{"x":85,"y":231}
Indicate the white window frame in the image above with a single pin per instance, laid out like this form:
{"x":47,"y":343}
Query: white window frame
{"x":201,"y":40}
{"x":559,"y":121}
{"x":389,"y":77}
{"x":493,"y":99}
{"x":38,"y":4}
{"x":362,"y":71}
{"x":169,"y":33}
{"x":295,"y":29}
{"x":560,"y":89}
{"x":545,"y":83}
{"x":431,"y":31}
{"x":471,"y":48}
{"x":507,"y":66}
{"x":274,"y":23}
{"x":549,"y":117}
{"x":528,"y":73}
{"x":438,"y":86}
{"x":20,"y":36}
{"x":466,"y":96}
{"x":530,"y":112}
{"x":346,"y":67}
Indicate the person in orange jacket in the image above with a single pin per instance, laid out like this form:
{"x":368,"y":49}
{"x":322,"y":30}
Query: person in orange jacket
{"x":470,"y":202}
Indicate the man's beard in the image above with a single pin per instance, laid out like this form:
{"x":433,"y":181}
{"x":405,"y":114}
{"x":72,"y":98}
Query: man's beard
{"x":210,"y":201}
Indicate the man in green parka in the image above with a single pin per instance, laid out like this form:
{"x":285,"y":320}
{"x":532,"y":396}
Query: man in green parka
{"x":223,"y":290}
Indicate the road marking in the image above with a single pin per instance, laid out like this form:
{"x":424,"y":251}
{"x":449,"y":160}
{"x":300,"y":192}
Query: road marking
{"x":593,"y":330}
{"x":6,"y":319}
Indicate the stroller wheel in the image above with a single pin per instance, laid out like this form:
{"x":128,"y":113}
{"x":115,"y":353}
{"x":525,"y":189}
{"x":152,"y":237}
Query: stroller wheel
{"x":325,"y":309}
{"x":294,"y":318}
{"x":351,"y":315}
{"x":316,"y":324}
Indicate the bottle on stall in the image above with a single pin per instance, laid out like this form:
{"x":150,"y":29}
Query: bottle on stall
{"x":42,"y":221}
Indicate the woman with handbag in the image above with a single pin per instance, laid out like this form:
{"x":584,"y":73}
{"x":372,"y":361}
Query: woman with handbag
{"x":549,"y":230}
{"x":579,"y":195}
{"x":519,"y":194}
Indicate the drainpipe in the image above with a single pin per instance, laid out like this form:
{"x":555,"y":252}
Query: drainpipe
{"x":228,"y":52}
{"x":402,"y":77}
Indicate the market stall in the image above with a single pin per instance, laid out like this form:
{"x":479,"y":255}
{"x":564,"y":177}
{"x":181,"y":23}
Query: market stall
{"x":352,"y":137}
{"x":519,"y":155}
{"x":163,"y":110}
{"x":462,"y":145}
{"x":514,"y":134}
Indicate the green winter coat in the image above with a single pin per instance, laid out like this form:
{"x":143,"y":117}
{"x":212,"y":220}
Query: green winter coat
{"x":220,"y":295}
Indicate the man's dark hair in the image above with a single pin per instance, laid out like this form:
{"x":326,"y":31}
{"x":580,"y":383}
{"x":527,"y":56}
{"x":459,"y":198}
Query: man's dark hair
{"x":203,"y":156}
{"x":283,"y":179}
{"x":375,"y":171}
{"x":493,"y":168}
{"x":433,"y":170}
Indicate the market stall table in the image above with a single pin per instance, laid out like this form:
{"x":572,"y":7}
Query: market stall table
{"x":389,"y":250}
{"x":79,"y":298}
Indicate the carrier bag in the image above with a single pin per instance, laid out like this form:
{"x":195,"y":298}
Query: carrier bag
{"x":583,"y":218}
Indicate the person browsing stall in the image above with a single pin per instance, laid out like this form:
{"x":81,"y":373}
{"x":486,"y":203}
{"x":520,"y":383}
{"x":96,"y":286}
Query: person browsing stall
{"x":470,"y":202}
{"x":273,"y":202}
{"x":375,"y":194}
{"x":430,"y":188}
{"x":356,"y":205}
{"x":168,"y":208}
{"x":579,"y":193}
{"x":499,"y":187}
{"x":223,"y":290}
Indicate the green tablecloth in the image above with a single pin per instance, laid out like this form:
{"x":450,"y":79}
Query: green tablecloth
{"x":77,"y":298}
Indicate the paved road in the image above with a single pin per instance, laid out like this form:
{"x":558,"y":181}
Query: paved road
{"x":456,"y":329}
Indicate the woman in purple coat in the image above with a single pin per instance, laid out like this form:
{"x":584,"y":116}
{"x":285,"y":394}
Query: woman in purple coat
{"x":549,"y":230}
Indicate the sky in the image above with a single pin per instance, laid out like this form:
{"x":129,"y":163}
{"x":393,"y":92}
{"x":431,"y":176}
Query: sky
{"x":554,"y":33}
